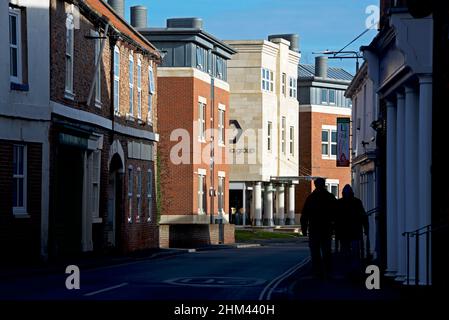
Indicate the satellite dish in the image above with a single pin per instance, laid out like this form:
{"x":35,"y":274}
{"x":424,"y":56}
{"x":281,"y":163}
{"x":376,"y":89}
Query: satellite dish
{"x":420,"y":9}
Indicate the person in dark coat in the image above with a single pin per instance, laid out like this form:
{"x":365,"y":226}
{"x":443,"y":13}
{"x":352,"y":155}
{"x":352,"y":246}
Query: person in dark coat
{"x":316,"y":222}
{"x":350,"y":224}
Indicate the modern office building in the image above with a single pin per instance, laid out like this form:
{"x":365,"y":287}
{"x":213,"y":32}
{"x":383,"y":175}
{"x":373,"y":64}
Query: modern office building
{"x":193,"y":119}
{"x":321,"y":96}
{"x":264,"y":113}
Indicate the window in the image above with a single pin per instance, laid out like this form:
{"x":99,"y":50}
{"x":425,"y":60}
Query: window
{"x":221,"y":127}
{"x":200,"y":58}
{"x":283,"y":135}
{"x":267,"y":80}
{"x":98,"y":74}
{"x":201,"y":193}
{"x":293,"y":87}
{"x":151,"y":91}
{"x":331,"y":96}
{"x":292,"y":141}
{"x":221,"y":200}
{"x":95,"y":165}
{"x":116,"y":79}
{"x":130,"y":193}
{"x":69,"y":54}
{"x":324,"y":96}
{"x":284,"y":84}
{"x":201,"y":122}
{"x":333,"y":188}
{"x":131,"y":85}
{"x":150,"y":194}
{"x":220,"y":68}
{"x":15,"y":47}
{"x":139,"y":193}
{"x":269,"y":129}
{"x":329,"y":142}
{"x":19,"y":179}
{"x":139,"y":89}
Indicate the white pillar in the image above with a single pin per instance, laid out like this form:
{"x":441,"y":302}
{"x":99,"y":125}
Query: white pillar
{"x":257,"y":203}
{"x":280,"y":205}
{"x":400,"y":187}
{"x":244,"y":217}
{"x":411,"y":170}
{"x":391,"y":191}
{"x":291,"y":205}
{"x":425,"y":162}
{"x":268,"y":205}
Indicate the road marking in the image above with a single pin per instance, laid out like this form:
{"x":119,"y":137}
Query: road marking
{"x":276,"y":281}
{"x":106,"y":289}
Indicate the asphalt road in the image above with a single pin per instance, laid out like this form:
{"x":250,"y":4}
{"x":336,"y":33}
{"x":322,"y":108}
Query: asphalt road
{"x":228,"y":274}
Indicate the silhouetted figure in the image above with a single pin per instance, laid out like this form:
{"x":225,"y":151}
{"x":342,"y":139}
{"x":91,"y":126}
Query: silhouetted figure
{"x":316,"y":221}
{"x":350,"y":223}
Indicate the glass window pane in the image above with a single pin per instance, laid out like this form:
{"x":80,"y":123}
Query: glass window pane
{"x":334,"y":149}
{"x":334,"y":136}
{"x":324,"y":95}
{"x":13,"y":30}
{"x":324,"y":149}
{"x":331,"y":96}
{"x":14,"y":192}
{"x":20,"y":193}
{"x":334,"y":190}
{"x":324,"y":136}
{"x":13,"y":64}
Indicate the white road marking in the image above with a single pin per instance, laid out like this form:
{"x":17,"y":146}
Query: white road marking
{"x":268,"y":290}
{"x":106,"y":289}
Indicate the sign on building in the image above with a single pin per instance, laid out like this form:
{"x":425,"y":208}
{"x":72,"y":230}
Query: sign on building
{"x":343,"y":136}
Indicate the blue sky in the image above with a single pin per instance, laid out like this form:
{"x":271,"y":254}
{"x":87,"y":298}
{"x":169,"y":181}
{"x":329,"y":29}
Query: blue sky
{"x":321,"y":25}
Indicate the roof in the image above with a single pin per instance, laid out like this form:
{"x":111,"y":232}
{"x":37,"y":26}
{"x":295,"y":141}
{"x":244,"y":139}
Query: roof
{"x":308,"y":71}
{"x":105,"y":10}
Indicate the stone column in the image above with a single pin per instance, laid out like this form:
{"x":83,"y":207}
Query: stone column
{"x":425,"y":162}
{"x":400,"y":187}
{"x":291,"y":205}
{"x":257,"y":203}
{"x":411,"y":170}
{"x":280,"y":205}
{"x":268,"y":205}
{"x":391,"y":191}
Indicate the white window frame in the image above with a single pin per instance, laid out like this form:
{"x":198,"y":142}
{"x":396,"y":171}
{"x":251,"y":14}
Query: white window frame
{"x":332,"y":103}
{"x":18,"y":46}
{"x":22,"y":210}
{"x":200,"y":58}
{"x":201,"y":193}
{"x":117,"y":79}
{"x":329,"y":143}
{"x":221,"y":125}
{"x":139,"y":89}
{"x":139,"y":193}
{"x":130,"y":193}
{"x":151,"y":92}
{"x":95,"y":177}
{"x":284,"y":84}
{"x":333,"y":183}
{"x":69,"y":56}
{"x":150,"y":194}
{"x":221,"y":195}
{"x":202,"y":121}
{"x":283,"y":137}
{"x":131,"y":85}
{"x":293,"y":87}
{"x":292,"y":140}
{"x":326,"y":100}
{"x":98,"y":74}
{"x":269,"y":136}
{"x":267,"y":80}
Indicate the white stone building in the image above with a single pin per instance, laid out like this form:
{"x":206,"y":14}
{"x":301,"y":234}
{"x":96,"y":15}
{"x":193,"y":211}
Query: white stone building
{"x":263,"y":80}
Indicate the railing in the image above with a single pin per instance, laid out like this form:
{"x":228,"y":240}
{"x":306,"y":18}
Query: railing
{"x":427,"y":231}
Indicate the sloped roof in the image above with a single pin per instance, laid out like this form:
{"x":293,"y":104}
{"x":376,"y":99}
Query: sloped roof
{"x":308,"y":71}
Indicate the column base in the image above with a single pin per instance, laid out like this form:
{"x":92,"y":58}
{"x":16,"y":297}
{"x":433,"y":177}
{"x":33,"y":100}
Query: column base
{"x":268,"y":222}
{"x":258,"y":222}
{"x":280,"y":222}
{"x":290,"y":221}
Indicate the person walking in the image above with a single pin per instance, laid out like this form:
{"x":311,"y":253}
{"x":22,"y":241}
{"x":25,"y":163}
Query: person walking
{"x":316,"y":221}
{"x":350,"y":224}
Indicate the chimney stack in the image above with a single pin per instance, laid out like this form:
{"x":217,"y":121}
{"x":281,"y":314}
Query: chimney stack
{"x":118,"y":6}
{"x":139,"y":16}
{"x":321,"y":67}
{"x":291,"y":37}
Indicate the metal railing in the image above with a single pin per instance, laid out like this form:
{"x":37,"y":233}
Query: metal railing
{"x":427,"y":231}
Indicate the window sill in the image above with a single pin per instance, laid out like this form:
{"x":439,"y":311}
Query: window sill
{"x":329,"y":158}
{"x":98,"y":104}
{"x":129,"y":117}
{"x":19,"y":87}
{"x":69,"y":95}
{"x":22,"y":215}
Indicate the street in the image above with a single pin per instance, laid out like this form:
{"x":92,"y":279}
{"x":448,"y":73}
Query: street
{"x":229,"y":274}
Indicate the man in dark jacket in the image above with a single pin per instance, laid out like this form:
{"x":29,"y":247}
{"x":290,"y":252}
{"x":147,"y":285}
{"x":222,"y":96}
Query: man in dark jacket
{"x":351,"y":221}
{"x":316,"y":222}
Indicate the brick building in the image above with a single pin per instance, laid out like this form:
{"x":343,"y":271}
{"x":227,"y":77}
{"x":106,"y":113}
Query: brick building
{"x":24,"y":125}
{"x":103,"y":131}
{"x":321,"y":96}
{"x":194,"y":93}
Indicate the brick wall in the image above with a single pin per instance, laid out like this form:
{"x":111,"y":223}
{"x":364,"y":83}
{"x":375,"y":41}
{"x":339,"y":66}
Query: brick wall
{"x":20,"y":237}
